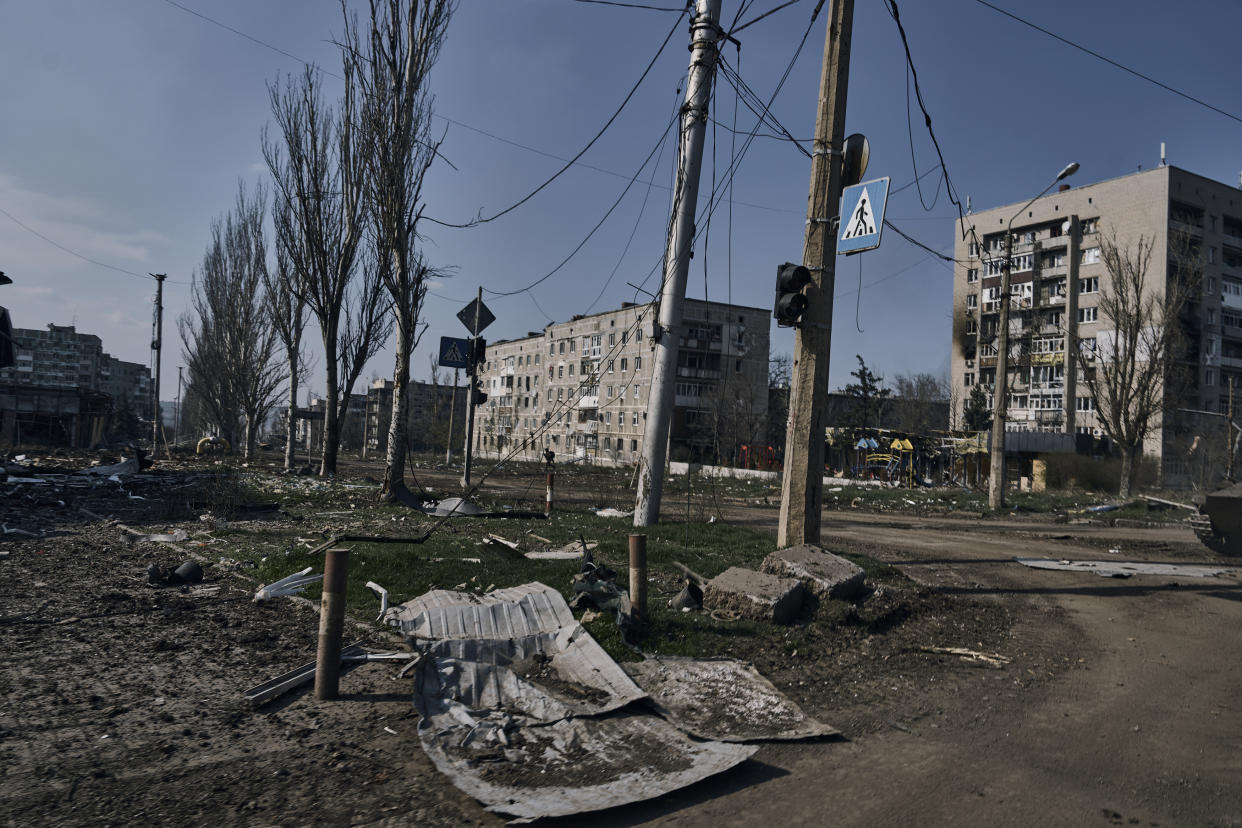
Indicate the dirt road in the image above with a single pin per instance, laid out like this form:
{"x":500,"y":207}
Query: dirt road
{"x":120,"y":703}
{"x":1144,"y":728}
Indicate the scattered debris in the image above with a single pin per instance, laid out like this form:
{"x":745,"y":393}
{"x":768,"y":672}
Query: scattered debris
{"x":134,"y":536}
{"x":23,"y":532}
{"x":290,"y":585}
{"x":122,"y":469}
{"x":1124,"y":569}
{"x":521,"y":708}
{"x":722,"y":699}
{"x":612,"y":513}
{"x":503,"y":543}
{"x":382,"y":594}
{"x":990,"y":659}
{"x":1171,"y":503}
{"x":569,"y":552}
{"x":293,"y":679}
{"x":756,"y":595}
{"x":690,"y":597}
{"x":822,"y":574}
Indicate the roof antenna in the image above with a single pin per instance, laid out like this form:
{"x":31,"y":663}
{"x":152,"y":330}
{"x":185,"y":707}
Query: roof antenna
{"x":1163,"y":162}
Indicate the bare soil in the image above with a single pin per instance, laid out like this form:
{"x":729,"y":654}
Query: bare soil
{"x":121,"y":702}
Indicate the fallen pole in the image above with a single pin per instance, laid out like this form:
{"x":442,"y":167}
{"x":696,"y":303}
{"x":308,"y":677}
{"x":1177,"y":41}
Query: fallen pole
{"x":331,"y":624}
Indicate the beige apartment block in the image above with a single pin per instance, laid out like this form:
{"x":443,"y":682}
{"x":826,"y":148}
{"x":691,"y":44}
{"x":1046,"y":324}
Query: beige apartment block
{"x":1163,"y":204}
{"x":580,"y":388}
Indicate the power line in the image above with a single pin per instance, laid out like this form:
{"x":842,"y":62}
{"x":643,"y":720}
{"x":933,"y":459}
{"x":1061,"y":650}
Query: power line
{"x":1111,"y":62}
{"x":73,"y":252}
{"x":629,"y":5}
{"x":582,"y":152}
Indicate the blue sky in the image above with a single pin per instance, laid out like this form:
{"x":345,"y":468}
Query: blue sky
{"x":128,"y":123}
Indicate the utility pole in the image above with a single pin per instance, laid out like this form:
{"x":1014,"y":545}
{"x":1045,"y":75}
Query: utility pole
{"x":803,"y":479}
{"x":704,"y":34}
{"x":472,"y":371}
{"x":157,"y":343}
{"x":177,"y":426}
{"x":1070,"y":403}
{"x":448,"y":442}
{"x":1229,"y":439}
{"x":1000,"y":397}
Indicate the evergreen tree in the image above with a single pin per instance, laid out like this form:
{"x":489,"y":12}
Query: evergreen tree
{"x":975,"y":412}
{"x":868,"y":398}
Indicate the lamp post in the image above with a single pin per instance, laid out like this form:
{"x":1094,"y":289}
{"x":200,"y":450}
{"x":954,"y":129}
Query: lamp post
{"x":1000,"y":396}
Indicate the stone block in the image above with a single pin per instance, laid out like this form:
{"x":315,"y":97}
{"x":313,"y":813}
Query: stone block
{"x":757,"y":595}
{"x":821,"y":573}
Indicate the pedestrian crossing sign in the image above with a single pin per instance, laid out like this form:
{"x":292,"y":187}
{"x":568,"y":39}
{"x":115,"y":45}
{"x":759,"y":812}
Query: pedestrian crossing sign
{"x":862,"y":216}
{"x":454,"y":352}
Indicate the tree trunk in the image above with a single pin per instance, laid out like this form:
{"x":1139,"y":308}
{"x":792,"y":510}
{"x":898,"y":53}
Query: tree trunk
{"x":291,"y":422}
{"x":331,"y":425}
{"x":1129,"y":469}
{"x":394,"y":466}
{"x":252,"y":433}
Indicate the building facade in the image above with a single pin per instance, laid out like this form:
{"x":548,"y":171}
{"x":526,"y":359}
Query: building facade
{"x":1057,"y":277}
{"x":433,"y":416}
{"x":63,"y":387}
{"x":580,"y":388}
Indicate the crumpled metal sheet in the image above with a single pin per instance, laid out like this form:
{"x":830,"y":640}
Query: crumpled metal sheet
{"x":525,"y":712}
{"x":503,"y":613}
{"x":723,"y":699}
{"x":1124,"y":569}
{"x":517,"y":762}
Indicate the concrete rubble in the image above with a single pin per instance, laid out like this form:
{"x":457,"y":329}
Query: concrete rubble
{"x":757,"y":595}
{"x":821,"y":573}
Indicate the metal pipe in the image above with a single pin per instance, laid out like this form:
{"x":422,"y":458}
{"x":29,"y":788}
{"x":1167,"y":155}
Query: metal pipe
{"x":331,"y":624}
{"x":638,"y":576}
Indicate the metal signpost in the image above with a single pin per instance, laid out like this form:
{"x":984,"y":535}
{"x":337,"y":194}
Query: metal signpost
{"x":476,"y":317}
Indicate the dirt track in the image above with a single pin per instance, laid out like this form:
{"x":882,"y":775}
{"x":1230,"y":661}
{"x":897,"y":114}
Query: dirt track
{"x":1121,"y":705}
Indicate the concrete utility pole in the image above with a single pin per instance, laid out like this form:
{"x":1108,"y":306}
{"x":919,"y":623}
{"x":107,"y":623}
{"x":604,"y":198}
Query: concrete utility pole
{"x":1000,"y":400}
{"x":1229,"y":438}
{"x":177,"y":421}
{"x":1000,"y":397}
{"x":803,"y":479}
{"x":472,"y":372}
{"x":1070,"y":398}
{"x":704,"y":34}
{"x":157,"y":343}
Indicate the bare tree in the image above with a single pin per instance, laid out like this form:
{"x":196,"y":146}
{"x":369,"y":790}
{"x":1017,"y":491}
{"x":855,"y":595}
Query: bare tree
{"x":918,"y":402}
{"x":392,"y":61}
{"x":229,"y":345}
{"x":287,"y":311}
{"x":320,"y":218}
{"x":1133,"y":371}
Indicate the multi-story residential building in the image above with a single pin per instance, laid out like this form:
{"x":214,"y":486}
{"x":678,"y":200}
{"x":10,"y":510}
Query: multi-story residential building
{"x":431,"y":413}
{"x":1057,"y":277}
{"x":57,"y":384}
{"x":580,"y":388}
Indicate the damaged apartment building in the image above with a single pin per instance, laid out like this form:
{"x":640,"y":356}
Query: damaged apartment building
{"x":1057,"y":279}
{"x":63,"y":389}
{"x":580,"y":388}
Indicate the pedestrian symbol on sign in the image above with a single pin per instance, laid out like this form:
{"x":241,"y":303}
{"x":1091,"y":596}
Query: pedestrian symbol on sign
{"x":862,"y":220}
{"x":862,"y":213}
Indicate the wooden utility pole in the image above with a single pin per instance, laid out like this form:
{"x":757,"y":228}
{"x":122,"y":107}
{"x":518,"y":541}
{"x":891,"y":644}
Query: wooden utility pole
{"x":704,"y":35}
{"x":157,"y":343}
{"x":803,"y":480}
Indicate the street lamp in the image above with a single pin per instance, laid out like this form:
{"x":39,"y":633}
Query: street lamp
{"x":1000,"y":396}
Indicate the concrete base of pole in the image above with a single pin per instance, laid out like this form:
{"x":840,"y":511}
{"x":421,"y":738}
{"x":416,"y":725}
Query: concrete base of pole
{"x":331,"y":625}
{"x":638,"y":576}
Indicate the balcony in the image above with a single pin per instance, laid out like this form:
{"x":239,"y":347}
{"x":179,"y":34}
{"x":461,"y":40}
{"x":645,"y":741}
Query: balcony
{"x":589,"y":402}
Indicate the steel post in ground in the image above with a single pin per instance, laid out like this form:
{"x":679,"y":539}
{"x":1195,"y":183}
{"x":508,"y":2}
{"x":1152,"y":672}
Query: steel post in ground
{"x":638,"y":576}
{"x":548,"y":504}
{"x":331,"y":624}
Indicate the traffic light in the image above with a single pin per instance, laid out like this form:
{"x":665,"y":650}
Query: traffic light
{"x":477,"y":395}
{"x":790,"y":301}
{"x":478,"y":353}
